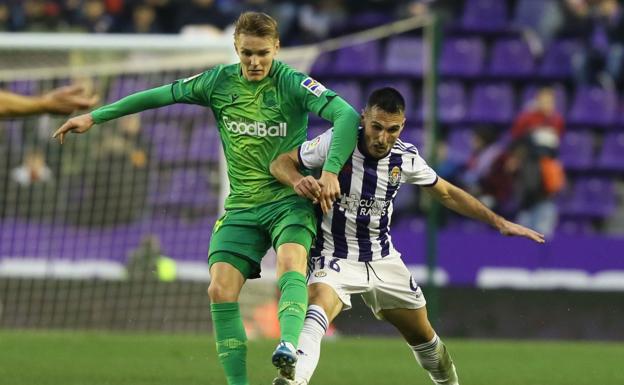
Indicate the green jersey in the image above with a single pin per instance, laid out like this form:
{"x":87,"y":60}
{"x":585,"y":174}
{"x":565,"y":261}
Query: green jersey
{"x":257,"y":121}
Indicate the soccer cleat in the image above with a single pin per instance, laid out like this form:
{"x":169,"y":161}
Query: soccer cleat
{"x":283,"y":381}
{"x":284,"y":359}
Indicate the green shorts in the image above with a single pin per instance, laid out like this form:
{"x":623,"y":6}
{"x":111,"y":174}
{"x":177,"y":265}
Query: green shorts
{"x":242,"y":237}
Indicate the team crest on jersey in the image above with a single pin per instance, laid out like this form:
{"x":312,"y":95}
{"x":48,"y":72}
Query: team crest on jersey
{"x":313,"y":86}
{"x":313,"y":143}
{"x":320,"y":274}
{"x":394,"y":176}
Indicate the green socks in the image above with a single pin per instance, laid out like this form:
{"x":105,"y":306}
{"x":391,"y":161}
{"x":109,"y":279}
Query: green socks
{"x":231,"y":341}
{"x":292,"y":305}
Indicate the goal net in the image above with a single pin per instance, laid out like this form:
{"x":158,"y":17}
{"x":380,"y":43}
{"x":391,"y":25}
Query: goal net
{"x":111,"y":229}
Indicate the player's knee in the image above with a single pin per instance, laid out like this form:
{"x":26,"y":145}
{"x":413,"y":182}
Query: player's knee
{"x":292,"y":262}
{"x":420,"y":335}
{"x":219,"y":292}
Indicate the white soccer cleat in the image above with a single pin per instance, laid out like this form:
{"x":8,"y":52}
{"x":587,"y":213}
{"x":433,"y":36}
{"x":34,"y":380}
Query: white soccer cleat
{"x":283,"y":381}
{"x":284,"y":359}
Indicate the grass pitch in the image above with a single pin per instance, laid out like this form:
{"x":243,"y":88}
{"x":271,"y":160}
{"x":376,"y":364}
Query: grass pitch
{"x":79,"y":358}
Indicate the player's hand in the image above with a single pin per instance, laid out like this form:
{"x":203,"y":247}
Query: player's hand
{"x":308,"y":187}
{"x":514,"y":229}
{"x":330,"y":190}
{"x":77,"y":124}
{"x":65,"y":100}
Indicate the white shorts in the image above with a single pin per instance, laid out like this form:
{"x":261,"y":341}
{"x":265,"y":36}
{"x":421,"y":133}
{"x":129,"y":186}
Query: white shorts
{"x":383,"y":284}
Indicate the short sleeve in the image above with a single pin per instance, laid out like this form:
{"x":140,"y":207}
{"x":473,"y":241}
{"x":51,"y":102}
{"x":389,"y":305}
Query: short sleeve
{"x":196,"y":89}
{"x":312,"y":153}
{"x":416,"y":171}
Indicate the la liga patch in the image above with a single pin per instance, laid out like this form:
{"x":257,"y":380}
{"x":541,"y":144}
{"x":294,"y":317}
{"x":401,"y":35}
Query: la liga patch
{"x":313,"y":86}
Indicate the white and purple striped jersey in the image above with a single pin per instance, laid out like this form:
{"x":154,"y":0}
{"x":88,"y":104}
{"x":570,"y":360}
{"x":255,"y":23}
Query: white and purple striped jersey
{"x":357,"y":227}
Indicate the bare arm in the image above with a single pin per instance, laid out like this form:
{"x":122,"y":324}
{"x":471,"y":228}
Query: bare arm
{"x":63,"y":100}
{"x":285,"y":168}
{"x":460,"y":201}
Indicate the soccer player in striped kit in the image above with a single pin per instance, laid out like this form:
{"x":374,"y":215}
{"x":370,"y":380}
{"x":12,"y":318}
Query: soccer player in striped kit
{"x":353,"y":253}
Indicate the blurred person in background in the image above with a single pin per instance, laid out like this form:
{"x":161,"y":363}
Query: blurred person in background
{"x":62,"y":100}
{"x":602,"y":27}
{"x":95,"y":18}
{"x":204,"y":15}
{"x":537,"y":132}
{"x":33,"y":169}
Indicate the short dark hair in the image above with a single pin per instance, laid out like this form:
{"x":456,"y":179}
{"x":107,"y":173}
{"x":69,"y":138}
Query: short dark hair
{"x":387,"y":99}
{"x":256,"y":24}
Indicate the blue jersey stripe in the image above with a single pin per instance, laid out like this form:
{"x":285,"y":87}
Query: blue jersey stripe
{"x":369,"y":185}
{"x":396,"y":160}
{"x":339,"y":220}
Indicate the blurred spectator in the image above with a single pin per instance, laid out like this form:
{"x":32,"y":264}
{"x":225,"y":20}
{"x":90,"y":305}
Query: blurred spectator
{"x":540,"y":121}
{"x":33,"y":169}
{"x":94,"y":17}
{"x":144,"y":20}
{"x":202,"y":13}
{"x":537,"y":133}
{"x":317,"y":19}
{"x":601,"y":60}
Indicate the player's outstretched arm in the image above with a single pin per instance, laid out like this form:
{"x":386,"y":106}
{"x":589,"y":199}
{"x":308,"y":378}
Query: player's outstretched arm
{"x":62,"y":100}
{"x":285,"y":168}
{"x":140,"y":101}
{"x":460,"y":201}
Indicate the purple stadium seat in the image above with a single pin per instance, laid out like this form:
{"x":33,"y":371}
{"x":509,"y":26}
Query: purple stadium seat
{"x":204,"y":144}
{"x":323,"y":64}
{"x":560,"y":97}
{"x":451,"y":102}
{"x":485,"y":15}
{"x":592,"y":197}
{"x":404,"y":56}
{"x":349,"y":91}
{"x":25,"y":87}
{"x":492,"y":103}
{"x":612,"y":154}
{"x":415,"y":136}
{"x":593,"y":105}
{"x":511,"y":57}
{"x":557,"y":62}
{"x":462,"y":57}
{"x":460,"y":145}
{"x":576,"y":150}
{"x":405,"y":88}
{"x":124,"y":86}
{"x":575,"y":226}
{"x":186,"y":187}
{"x":360,"y":59}
{"x":167,"y":142}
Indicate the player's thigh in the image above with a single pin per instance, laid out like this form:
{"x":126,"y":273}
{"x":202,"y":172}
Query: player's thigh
{"x":290,"y":220}
{"x":342,"y":276}
{"x":413,"y":324}
{"x":325,"y":296}
{"x":393,"y":287}
{"x":239,"y":240}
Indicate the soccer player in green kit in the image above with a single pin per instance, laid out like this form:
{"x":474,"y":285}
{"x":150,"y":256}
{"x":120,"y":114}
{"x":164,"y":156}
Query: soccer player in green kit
{"x":261,"y":107}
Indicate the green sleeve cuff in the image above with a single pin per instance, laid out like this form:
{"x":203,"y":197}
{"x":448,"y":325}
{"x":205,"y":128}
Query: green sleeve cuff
{"x":140,"y":101}
{"x":345,"y":121}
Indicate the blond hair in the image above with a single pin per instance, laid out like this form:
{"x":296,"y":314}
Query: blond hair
{"x":257,"y":24}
